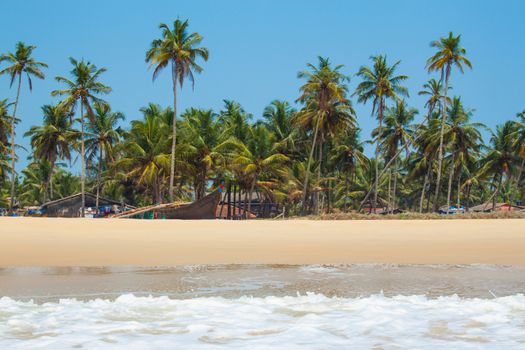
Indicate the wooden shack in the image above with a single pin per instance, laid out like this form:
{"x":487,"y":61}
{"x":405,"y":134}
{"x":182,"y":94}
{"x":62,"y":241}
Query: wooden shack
{"x":488,"y":207}
{"x":69,"y":207}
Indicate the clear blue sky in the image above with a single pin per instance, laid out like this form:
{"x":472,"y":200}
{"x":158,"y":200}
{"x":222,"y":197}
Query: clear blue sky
{"x":257,"y":48}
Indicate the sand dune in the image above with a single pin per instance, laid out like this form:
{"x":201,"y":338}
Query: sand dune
{"x":88,"y":242}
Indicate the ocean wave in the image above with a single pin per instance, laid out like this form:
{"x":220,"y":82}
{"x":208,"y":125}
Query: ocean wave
{"x":308,"y":321}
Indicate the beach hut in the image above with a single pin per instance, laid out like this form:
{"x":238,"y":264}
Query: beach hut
{"x":488,"y":207}
{"x":69,"y":207}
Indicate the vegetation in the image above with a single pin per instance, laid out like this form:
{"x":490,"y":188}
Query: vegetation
{"x":308,"y":156}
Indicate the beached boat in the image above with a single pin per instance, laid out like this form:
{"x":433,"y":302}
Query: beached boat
{"x":204,"y":208}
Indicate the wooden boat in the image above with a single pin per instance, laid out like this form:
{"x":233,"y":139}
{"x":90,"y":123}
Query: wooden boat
{"x":203,"y":208}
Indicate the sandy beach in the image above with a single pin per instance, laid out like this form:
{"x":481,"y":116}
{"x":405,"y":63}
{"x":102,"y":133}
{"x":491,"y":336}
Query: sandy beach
{"x":88,"y":242}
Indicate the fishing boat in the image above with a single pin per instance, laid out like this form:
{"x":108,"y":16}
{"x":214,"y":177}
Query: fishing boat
{"x":204,"y":208}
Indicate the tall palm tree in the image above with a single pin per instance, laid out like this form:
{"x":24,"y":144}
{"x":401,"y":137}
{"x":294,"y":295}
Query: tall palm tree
{"x":326,"y":107}
{"x":379,"y":84}
{"x":449,"y":54}
{"x":83,"y":88}
{"x":180,"y":49}
{"x":463,"y":140}
{"x":103,"y":135}
{"x":397,"y":133}
{"x":52,"y":140}
{"x":21,"y":62}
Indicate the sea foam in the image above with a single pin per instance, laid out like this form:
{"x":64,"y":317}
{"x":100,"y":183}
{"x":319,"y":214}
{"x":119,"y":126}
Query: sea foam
{"x":311,"y":321}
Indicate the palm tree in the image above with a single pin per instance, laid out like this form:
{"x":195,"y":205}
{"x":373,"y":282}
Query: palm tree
{"x":398,"y":132}
{"x":326,"y":107}
{"x":462,"y":138}
{"x":103,"y":135}
{"x":500,"y":158}
{"x":379,"y":84}
{"x":84,"y":88}
{"x":449,"y":54}
{"x":179,"y":48}
{"x":200,"y":134}
{"x":5,"y":128}
{"x":52,"y":140}
{"x":347,"y":156}
{"x":278,"y":120}
{"x":145,"y":158}
{"x":256,"y":162}
{"x":234,"y":121}
{"x":21,"y":63}
{"x":519,"y":144}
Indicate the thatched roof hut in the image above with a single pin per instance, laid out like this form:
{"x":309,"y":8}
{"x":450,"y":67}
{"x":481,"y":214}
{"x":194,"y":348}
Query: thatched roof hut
{"x":69,"y":207}
{"x":487,"y":207}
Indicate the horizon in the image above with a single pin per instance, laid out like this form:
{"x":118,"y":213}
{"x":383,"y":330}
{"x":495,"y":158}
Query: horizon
{"x":253,"y":63}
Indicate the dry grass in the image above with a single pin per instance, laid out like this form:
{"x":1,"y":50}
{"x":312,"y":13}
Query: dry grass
{"x":418,"y":216}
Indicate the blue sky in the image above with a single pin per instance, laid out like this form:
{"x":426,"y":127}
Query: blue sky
{"x":257,"y":48}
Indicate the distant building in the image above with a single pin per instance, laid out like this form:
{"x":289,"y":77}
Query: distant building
{"x":487,"y":207}
{"x":69,"y":207}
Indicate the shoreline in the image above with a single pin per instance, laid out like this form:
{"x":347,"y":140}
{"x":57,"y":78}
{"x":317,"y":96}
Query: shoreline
{"x":46,"y":242}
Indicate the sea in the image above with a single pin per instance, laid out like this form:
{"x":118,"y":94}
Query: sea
{"x":371,"y":306}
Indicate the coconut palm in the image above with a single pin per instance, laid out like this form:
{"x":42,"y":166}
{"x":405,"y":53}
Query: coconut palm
{"x":347,"y":156}
{"x":145,"y":159}
{"x":449,"y":54}
{"x":397,"y":133}
{"x":518,"y":137}
{"x":83,"y":89}
{"x":257,"y":162}
{"x":379,"y":84}
{"x":278,"y":119}
{"x":201,"y":135}
{"x":326,"y":107}
{"x":500,"y":158}
{"x":234,"y":121}
{"x":463,"y":140}
{"x":102,"y":136}
{"x":52,"y":140}
{"x":180,"y":49}
{"x":5,"y":128}
{"x":21,"y":62}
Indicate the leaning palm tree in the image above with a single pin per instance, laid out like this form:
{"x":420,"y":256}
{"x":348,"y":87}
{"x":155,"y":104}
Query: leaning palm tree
{"x":326,"y":107}
{"x":21,"y":63}
{"x":518,"y":137}
{"x":178,"y":48}
{"x":379,"y":84}
{"x":449,"y":54}
{"x":52,"y":141}
{"x":103,"y":134}
{"x":83,"y":89}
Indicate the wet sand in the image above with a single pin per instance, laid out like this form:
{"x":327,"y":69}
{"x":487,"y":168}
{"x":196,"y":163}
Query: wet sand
{"x":88,"y":242}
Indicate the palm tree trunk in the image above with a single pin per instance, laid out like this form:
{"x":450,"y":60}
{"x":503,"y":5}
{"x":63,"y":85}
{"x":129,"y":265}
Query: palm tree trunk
{"x":376,"y":182}
{"x":174,"y":132}
{"x":441,"y":134}
{"x":305,"y":186}
{"x":389,"y":207}
{"x":396,"y":166}
{"x":250,"y":197}
{"x":319,"y":174}
{"x":13,"y":158}
{"x":83,"y":162}
{"x":459,"y":190}
{"x":423,"y":190}
{"x":50,"y":179}
{"x":346,"y":194}
{"x":450,"y":177}
{"x":99,"y":170}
